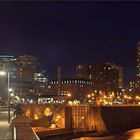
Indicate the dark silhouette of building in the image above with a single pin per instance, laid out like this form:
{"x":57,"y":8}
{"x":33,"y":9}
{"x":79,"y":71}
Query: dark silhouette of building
{"x":138,"y":67}
{"x":106,"y":77}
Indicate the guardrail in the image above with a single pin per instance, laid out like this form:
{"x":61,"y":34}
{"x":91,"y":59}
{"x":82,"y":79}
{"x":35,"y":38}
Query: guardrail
{"x":22,"y":129}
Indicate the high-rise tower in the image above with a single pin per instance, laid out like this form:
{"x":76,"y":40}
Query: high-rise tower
{"x":138,"y":64}
{"x":26,"y":69}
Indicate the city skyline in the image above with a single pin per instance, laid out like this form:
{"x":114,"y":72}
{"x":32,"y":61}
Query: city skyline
{"x":70,"y":33}
{"x":69,"y":70}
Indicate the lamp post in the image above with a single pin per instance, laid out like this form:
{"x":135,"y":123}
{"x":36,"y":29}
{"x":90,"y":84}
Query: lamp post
{"x":8,"y":78}
{"x":2,"y":73}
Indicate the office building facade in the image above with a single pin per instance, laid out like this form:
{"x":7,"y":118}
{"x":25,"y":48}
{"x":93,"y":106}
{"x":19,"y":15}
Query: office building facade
{"x":106,"y":77}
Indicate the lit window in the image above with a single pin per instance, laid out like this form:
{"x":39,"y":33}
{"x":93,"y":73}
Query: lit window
{"x":90,"y":66}
{"x":80,"y":66}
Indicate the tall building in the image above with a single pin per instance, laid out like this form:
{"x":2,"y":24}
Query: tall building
{"x":119,"y":71}
{"x":105,"y":77}
{"x":138,"y":65}
{"x":40,"y":82}
{"x":24,"y":84}
{"x":26,"y":68}
{"x":84,"y":71}
{"x":113,"y":77}
{"x":7,"y":64}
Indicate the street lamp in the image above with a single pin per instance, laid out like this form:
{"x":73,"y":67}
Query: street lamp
{"x":3,"y":73}
{"x":68,"y":95}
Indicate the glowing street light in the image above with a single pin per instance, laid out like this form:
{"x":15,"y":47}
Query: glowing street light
{"x":68,"y":95}
{"x":2,"y":73}
{"x":118,"y":97}
{"x":125,"y":96}
{"x":10,"y":89}
{"x":129,"y":97}
{"x":88,"y":95}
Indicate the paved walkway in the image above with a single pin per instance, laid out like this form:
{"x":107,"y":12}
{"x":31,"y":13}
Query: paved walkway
{"x":5,"y":128}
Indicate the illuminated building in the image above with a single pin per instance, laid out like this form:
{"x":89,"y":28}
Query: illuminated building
{"x":84,"y":72}
{"x":113,"y":77}
{"x":132,"y":86}
{"x":77,"y":88}
{"x":138,"y":65}
{"x":21,"y":74}
{"x":25,"y":76}
{"x":107,"y":77}
{"x":40,"y":82}
{"x":7,"y":64}
{"x":23,"y":79}
{"x":26,"y":68}
{"x":7,"y":61}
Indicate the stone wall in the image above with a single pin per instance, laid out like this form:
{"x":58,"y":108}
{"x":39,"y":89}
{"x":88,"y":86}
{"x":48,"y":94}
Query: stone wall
{"x":101,"y":119}
{"x":118,"y":119}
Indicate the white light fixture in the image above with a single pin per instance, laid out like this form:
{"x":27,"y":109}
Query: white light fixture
{"x":2,"y":73}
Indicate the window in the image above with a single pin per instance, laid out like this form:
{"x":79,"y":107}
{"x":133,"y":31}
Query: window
{"x":90,"y":66}
{"x":80,"y":66}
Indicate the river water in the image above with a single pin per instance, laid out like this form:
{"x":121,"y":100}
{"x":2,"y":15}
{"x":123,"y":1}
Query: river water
{"x":129,"y":135}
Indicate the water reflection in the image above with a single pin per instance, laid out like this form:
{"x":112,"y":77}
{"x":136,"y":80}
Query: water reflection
{"x":130,"y":135}
{"x":134,"y":134}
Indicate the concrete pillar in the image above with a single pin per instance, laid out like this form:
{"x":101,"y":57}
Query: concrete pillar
{"x":99,"y":122}
{"x":23,"y":129}
{"x":68,"y":118}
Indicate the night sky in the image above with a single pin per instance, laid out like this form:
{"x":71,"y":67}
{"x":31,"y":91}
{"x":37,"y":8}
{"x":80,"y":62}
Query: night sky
{"x":70,"y":33}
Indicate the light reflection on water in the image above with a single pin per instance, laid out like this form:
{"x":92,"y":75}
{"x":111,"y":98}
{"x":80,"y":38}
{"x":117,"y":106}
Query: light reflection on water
{"x":129,"y":135}
{"x":134,"y":134}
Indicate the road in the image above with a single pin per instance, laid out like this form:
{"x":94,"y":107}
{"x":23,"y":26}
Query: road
{"x":130,"y":135}
{"x":5,"y":128}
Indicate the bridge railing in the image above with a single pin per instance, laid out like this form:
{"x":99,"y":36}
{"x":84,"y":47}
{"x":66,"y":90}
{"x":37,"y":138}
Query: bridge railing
{"x":22,"y":129}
